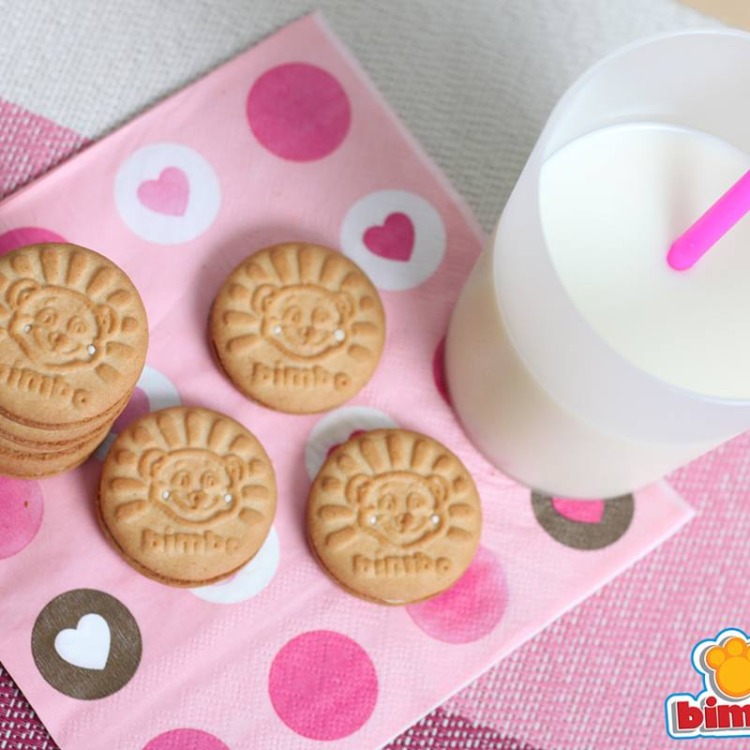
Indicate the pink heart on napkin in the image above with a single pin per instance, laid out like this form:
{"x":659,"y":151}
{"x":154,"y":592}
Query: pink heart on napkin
{"x":168,"y":194}
{"x":394,"y":239}
{"x":581,"y":511}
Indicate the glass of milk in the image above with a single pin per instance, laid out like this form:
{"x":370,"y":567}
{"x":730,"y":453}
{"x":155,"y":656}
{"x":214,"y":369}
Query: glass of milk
{"x":578,"y":361}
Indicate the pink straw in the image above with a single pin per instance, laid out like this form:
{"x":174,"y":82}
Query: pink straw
{"x":691,"y":246}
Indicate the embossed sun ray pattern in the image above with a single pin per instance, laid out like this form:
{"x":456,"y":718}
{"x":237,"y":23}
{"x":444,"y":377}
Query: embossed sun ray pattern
{"x":299,"y":266}
{"x":190,"y":434}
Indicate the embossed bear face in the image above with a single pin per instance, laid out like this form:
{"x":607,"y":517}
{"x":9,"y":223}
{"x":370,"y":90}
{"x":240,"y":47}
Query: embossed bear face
{"x":58,"y":327}
{"x":304,"y":320}
{"x":194,"y":484}
{"x":400,"y":507}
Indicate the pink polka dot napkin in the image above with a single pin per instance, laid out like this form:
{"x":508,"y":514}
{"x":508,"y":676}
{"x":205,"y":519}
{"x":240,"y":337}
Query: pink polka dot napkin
{"x":288,"y":141}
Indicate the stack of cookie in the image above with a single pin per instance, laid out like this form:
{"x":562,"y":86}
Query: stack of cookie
{"x":73,"y":340}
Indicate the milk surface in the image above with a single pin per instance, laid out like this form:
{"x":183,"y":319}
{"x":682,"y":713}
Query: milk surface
{"x":611,"y":204}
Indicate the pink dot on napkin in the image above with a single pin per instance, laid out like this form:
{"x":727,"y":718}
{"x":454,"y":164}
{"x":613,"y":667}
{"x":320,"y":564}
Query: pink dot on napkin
{"x":22,"y":236}
{"x":298,"y":112}
{"x":186,"y":739}
{"x":21,"y":510}
{"x":438,"y":372}
{"x":468,"y":610}
{"x":323,"y":685}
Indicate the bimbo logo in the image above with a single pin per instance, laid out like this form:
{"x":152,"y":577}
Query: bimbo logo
{"x":722,"y":708}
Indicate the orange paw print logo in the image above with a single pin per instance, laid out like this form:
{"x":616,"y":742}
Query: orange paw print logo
{"x":730,"y":663}
{"x":721,"y":708}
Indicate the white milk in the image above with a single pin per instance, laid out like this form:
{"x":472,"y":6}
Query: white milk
{"x":611,"y":203}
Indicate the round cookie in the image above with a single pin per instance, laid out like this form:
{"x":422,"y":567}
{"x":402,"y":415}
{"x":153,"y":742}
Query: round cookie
{"x":73,"y":335}
{"x":298,"y":328}
{"x":393,"y":517}
{"x":187,"y":496}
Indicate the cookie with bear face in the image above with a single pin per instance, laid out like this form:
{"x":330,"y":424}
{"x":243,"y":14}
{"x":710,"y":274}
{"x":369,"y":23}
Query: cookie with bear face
{"x":393,"y":517}
{"x":73,"y":336}
{"x":298,"y":328}
{"x":187,"y":496}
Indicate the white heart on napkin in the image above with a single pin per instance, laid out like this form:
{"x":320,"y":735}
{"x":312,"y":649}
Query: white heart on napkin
{"x":86,"y":645}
